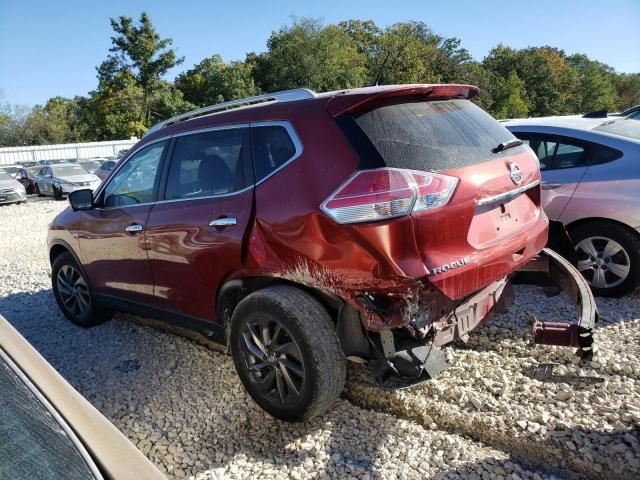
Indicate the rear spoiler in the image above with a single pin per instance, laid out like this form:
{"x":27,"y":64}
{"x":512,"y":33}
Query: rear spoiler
{"x":369,"y":97}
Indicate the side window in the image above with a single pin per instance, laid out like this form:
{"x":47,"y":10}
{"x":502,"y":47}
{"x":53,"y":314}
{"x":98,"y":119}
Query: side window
{"x":134,"y":182}
{"x":604,"y":154}
{"x":272,"y":148}
{"x":569,"y":154}
{"x":207,"y":164}
{"x":543,"y":147}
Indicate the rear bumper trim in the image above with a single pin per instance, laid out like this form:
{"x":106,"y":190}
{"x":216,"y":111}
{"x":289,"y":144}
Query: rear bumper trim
{"x":569,"y":279}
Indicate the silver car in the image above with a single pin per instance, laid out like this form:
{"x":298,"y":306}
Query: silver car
{"x":11,"y":190}
{"x":62,"y":179}
{"x":591,"y":183}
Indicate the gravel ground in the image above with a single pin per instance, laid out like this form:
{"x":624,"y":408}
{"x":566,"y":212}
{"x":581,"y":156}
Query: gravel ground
{"x":181,"y":403}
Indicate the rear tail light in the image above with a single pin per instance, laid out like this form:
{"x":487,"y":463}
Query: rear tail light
{"x":381,"y":194}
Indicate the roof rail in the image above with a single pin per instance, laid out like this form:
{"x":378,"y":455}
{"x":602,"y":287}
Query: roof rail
{"x":284,"y":96}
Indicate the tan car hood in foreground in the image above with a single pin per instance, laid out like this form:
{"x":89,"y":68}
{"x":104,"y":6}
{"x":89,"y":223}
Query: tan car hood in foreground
{"x":117,"y":458}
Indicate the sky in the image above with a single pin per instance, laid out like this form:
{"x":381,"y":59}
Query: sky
{"x":50,"y":48}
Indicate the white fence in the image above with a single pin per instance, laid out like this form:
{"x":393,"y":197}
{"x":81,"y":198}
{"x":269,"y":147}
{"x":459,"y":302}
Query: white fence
{"x":67,"y":151}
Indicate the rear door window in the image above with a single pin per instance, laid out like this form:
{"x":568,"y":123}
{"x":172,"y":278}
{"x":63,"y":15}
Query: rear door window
{"x":208,"y":164}
{"x":604,"y":154}
{"x":433,"y":135}
{"x":543,"y":147}
{"x":273,"y":147}
{"x":569,"y":154}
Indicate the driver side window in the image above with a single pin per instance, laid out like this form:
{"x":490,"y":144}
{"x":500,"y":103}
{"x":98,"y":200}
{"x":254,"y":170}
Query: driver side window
{"x":134,"y":182}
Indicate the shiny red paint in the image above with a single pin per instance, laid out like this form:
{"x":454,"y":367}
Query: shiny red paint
{"x":189,"y":259}
{"x":180,"y":262}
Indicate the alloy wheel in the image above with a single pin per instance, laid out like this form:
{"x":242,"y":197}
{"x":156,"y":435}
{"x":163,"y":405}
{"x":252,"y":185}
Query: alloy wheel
{"x":603,"y":262}
{"x":73,"y":290}
{"x":273,"y":360}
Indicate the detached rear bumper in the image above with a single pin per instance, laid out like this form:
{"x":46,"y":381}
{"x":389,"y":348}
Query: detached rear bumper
{"x":569,"y":279}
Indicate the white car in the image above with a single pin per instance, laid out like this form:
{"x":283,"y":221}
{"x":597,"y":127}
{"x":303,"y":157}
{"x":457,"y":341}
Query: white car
{"x":62,"y":179}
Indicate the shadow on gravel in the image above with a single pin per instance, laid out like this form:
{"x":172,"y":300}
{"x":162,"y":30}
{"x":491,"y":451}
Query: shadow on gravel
{"x":182,"y":404}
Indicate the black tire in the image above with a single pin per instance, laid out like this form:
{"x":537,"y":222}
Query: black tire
{"x":597,"y":234}
{"x":38,"y":191}
{"x":57,"y":193}
{"x":75,"y":311}
{"x":306,"y":323}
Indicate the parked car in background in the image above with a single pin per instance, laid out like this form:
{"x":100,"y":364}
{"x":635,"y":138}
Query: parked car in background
{"x":591,"y":183}
{"x":27,"y":179}
{"x":11,"y":169}
{"x":42,"y":163}
{"x":27,"y":163}
{"x":63,"y":178}
{"x":374,"y":224}
{"x":105,"y":168}
{"x":11,"y":191}
{"x":632,"y":113}
{"x":91,"y":165}
{"x":48,"y":430}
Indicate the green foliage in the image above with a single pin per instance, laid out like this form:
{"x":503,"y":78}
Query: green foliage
{"x":308,"y":55}
{"x":508,"y":101}
{"x":131,"y":94}
{"x":597,"y":90}
{"x":212,"y":81}
{"x":628,"y":89}
{"x":132,"y":91}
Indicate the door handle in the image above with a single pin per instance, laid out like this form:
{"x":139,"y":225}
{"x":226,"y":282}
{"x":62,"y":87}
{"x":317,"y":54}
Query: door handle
{"x":550,"y":186}
{"x":223,"y":222}
{"x":134,"y":228}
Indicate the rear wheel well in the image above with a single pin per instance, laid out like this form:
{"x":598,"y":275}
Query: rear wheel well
{"x":584,"y":221}
{"x":232,"y":292}
{"x":346,"y":319}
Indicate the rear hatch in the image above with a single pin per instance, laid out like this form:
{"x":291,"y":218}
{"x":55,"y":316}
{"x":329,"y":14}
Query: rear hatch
{"x":490,"y":222}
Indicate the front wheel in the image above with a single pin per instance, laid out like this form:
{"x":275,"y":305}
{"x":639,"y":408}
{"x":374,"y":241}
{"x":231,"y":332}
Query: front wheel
{"x":73,"y":293}
{"x":286,"y":352}
{"x":608,"y":257}
{"x":57,"y":193}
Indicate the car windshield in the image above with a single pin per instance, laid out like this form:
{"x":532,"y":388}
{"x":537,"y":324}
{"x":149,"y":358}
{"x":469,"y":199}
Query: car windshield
{"x":69,"y":171}
{"x":625,"y":127}
{"x":35,"y":441}
{"x":435,"y":135}
{"x":91,"y":166}
{"x":11,"y":170}
{"x":5,"y":176}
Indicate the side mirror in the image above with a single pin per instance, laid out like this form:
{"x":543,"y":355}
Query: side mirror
{"x":81,"y":200}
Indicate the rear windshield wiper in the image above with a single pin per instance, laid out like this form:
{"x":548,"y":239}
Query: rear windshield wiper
{"x":516,"y":142}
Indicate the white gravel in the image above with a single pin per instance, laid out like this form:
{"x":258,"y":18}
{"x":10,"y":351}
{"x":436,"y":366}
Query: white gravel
{"x":183,"y":406}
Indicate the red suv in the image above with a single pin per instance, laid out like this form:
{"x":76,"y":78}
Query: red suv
{"x":300,"y":229}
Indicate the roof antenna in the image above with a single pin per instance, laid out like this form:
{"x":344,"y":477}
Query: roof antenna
{"x":384,"y":63}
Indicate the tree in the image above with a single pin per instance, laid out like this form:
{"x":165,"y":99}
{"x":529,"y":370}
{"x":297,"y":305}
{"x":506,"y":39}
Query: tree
{"x":212,"y":81}
{"x":134,"y":69}
{"x":628,"y":89}
{"x":307,"y":54}
{"x":597,"y":90}
{"x":509,"y":98}
{"x":549,"y":80}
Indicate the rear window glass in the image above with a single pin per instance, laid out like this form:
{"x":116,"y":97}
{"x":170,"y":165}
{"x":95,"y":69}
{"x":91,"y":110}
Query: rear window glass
{"x":625,"y":127}
{"x":436,"y":135}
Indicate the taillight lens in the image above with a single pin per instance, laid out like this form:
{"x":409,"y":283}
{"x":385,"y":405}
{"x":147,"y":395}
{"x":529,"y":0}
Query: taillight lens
{"x":381,"y":194}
